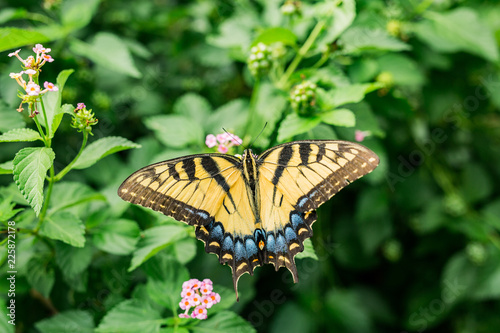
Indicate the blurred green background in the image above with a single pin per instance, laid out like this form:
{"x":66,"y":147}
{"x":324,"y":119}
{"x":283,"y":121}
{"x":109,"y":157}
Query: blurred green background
{"x":412,"y":247}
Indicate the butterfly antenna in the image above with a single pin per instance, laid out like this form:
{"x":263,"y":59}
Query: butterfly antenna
{"x":262,"y":130}
{"x":234,"y":138}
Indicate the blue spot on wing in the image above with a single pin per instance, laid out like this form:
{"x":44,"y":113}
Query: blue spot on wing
{"x":290,"y":234}
{"x":302,"y":202}
{"x":280,"y":243}
{"x":203,"y":215}
{"x":239,"y":251}
{"x":228,"y":244}
{"x":271,"y":245}
{"x":251,"y":247}
{"x":296,"y":220}
{"x":217,"y":232}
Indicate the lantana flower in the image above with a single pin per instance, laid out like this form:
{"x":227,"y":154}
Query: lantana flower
{"x":31,"y":67}
{"x":360,"y":135}
{"x":198,"y":295}
{"x":223,"y":141}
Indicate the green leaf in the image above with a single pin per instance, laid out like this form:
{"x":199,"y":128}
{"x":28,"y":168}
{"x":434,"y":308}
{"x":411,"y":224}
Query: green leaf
{"x":72,"y":261}
{"x":185,"y":250}
{"x":225,"y":321}
{"x":52,"y":103}
{"x":77,"y":321}
{"x":130,"y":316}
{"x":293,"y":124}
{"x":15,"y":37}
{"x":341,"y":18}
{"x":102,"y":148}
{"x":193,"y":106}
{"x":65,"y":227}
{"x":232,"y":116}
{"x":7,"y":210}
{"x":20,"y":135}
{"x":67,"y":195}
{"x":308,"y":252}
{"x":30,"y":169}
{"x":460,"y":29}
{"x":117,"y":236}
{"x":76,"y":14}
{"x":404,"y":70}
{"x":6,"y":167}
{"x":351,"y":93}
{"x":357,"y":40}
{"x":275,"y":35}
{"x":175,"y":131}
{"x":154,"y":240}
{"x":109,"y":51}
{"x":491,"y":213}
{"x":476,"y":184}
{"x":339,"y":117}
{"x":365,"y":119}
{"x":5,"y":326}
{"x":165,"y":278}
{"x":41,"y":275}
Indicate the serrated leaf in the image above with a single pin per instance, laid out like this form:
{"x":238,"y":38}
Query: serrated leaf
{"x":154,"y":240}
{"x":20,"y":135}
{"x":73,"y":196}
{"x":232,"y":116}
{"x":293,"y":124}
{"x":225,"y":321}
{"x":30,"y":169}
{"x":362,"y":39}
{"x":7,"y":210}
{"x":102,"y":148}
{"x":65,"y":227}
{"x":130,"y":316}
{"x":15,"y":37}
{"x":185,"y":250}
{"x":341,"y":18}
{"x":41,"y":275}
{"x":117,"y":236}
{"x":275,"y":35}
{"x":52,"y":104}
{"x":352,"y":93}
{"x":339,"y":117}
{"x":109,"y":51}
{"x":11,"y":119}
{"x":175,"y":131}
{"x":76,"y":321}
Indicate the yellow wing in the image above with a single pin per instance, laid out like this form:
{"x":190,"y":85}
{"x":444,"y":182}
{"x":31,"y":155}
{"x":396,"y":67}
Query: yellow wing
{"x":207,"y":191}
{"x":295,"y":179}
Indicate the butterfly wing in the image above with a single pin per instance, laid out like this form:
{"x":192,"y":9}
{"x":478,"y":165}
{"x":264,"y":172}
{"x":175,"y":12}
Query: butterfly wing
{"x":295,"y":179}
{"x":207,"y":191}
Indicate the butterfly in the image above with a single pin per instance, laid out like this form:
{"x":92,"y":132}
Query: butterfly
{"x":251,"y":210}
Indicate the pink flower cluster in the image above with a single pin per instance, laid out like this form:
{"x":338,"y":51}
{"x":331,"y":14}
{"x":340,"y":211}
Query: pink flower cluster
{"x":223,"y":141}
{"x":31,"y":67}
{"x":200,"y":295}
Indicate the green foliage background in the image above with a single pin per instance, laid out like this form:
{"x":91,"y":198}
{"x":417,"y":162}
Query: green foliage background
{"x":412,"y":247}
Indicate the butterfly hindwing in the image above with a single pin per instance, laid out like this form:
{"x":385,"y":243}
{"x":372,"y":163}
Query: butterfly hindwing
{"x":296,"y":178}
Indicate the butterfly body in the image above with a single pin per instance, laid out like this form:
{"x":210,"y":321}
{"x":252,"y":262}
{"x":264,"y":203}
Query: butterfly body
{"x":252,"y":210}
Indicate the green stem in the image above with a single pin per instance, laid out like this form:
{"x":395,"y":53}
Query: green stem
{"x":283,"y":82}
{"x":70,"y":165}
{"x":45,"y":206}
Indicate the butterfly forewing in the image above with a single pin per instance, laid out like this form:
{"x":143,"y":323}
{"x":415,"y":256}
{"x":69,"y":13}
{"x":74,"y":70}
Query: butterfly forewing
{"x":295,"y":179}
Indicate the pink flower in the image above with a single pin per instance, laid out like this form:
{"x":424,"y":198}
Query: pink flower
{"x":184,"y":315}
{"x":195,"y":283}
{"x":206,"y":288}
{"x":15,"y":53}
{"x":80,"y":106}
{"x":207,"y":302}
{"x":188,"y":292}
{"x":47,"y":57}
{"x":360,"y":135}
{"x":196,"y":299}
{"x":236,"y":140}
{"x":30,"y":71}
{"x":29,"y":62}
{"x":50,"y":86}
{"x":222,"y":149}
{"x":207,"y":281}
{"x":223,"y":138}
{"x":186,"y":303}
{"x":215,"y":297}
{"x":210,"y":141}
{"x":32,"y":89}
{"x":40,"y":49}
{"x":200,"y":312}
